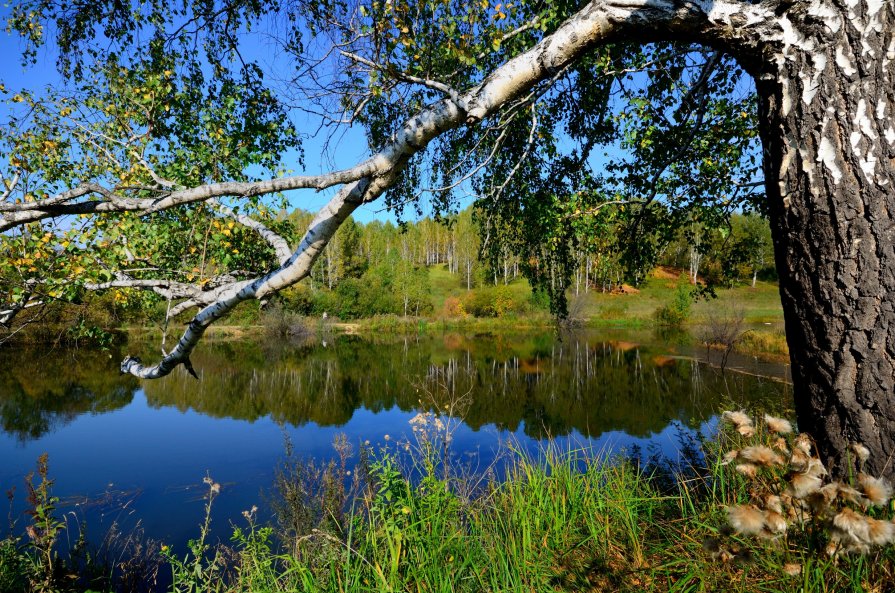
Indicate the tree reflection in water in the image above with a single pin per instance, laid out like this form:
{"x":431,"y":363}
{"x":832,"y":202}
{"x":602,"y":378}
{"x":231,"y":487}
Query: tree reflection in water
{"x":547,"y":386}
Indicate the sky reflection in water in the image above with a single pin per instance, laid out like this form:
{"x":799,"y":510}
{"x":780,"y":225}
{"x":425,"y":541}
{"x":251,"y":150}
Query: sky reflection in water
{"x":114,"y":442}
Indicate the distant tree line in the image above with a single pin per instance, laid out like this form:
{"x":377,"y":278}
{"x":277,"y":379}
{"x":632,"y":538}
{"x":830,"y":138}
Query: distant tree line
{"x":382,"y":268}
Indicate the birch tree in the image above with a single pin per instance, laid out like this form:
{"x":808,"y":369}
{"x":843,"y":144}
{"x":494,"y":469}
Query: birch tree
{"x":452,"y":94}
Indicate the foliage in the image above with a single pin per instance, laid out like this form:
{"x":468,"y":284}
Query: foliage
{"x":171,"y":106}
{"x":203,"y":568}
{"x":677,"y":311}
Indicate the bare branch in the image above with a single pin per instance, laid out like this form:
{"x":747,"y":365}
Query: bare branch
{"x":281,"y":247}
{"x":427,"y":82}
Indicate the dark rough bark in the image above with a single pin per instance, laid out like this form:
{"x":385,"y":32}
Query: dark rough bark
{"x":827,"y":103}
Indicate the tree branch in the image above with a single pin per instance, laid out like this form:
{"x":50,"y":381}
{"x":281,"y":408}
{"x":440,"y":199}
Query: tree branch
{"x":597,"y":22}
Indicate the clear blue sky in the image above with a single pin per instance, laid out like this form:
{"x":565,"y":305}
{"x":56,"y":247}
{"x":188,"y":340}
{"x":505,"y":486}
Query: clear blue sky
{"x":346,"y":148}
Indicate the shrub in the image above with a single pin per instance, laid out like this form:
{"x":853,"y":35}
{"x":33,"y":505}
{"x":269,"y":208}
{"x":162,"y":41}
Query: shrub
{"x":492,"y":301}
{"x":677,"y":312}
{"x":453,"y":307}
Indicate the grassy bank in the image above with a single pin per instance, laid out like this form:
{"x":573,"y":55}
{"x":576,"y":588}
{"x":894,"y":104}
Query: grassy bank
{"x":407,"y":519}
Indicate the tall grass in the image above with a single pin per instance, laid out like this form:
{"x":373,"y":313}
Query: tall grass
{"x":407,"y":518}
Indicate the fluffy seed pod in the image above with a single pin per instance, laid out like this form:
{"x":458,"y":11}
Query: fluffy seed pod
{"x":738,"y":418}
{"x":777,"y":425}
{"x":746,"y":519}
{"x":761,"y":455}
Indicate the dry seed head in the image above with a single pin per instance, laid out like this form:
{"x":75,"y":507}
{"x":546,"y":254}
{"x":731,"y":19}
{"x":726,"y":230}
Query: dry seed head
{"x":774,"y":523}
{"x":877,"y":491}
{"x":852,"y":527}
{"x":849,"y":494}
{"x":802,"y":442}
{"x":738,"y":418}
{"x":792,"y":569}
{"x":799,"y":460}
{"x":761,"y":455}
{"x":880,"y":532}
{"x":816,"y":468}
{"x":821,"y":500}
{"x":747,"y":469}
{"x":780,"y":445}
{"x":777,"y":425}
{"x":729,"y":457}
{"x":861,"y":452}
{"x":772,"y":502}
{"x":747,"y":431}
{"x":801,"y":485}
{"x":746,"y":519}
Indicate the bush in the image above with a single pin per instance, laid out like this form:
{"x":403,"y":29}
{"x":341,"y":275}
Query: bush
{"x":677,"y":312}
{"x":492,"y":301}
{"x":453,"y":307}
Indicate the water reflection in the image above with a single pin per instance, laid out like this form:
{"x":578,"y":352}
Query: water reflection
{"x":42,"y":390}
{"x":537,"y":383}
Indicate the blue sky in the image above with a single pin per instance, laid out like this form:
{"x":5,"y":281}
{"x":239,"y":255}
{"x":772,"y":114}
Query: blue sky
{"x":346,"y":148}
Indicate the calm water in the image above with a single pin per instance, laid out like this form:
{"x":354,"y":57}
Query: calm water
{"x":136,"y":452}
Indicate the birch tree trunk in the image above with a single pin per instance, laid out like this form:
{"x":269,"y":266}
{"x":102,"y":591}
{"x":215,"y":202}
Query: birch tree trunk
{"x":827,"y":103}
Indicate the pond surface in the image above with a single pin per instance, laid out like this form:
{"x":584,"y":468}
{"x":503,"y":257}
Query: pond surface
{"x":135,"y":453}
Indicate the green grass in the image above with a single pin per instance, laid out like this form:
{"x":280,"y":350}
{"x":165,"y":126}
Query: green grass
{"x":561,"y":520}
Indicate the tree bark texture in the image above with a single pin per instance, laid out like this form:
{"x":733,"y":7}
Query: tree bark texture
{"x":827,"y":106}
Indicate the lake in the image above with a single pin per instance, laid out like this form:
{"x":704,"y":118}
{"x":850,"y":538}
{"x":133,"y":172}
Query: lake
{"x":135,"y":453}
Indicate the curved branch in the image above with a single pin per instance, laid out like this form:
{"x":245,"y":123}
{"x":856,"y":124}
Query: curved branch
{"x":279,"y":244}
{"x":597,"y":22}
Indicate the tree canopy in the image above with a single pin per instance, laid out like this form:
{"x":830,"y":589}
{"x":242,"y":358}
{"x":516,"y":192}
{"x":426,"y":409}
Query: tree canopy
{"x":163,"y":99}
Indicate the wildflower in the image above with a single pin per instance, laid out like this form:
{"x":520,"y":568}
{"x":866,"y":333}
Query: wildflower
{"x":777,"y":425}
{"x":761,"y":455}
{"x":165,"y":547}
{"x":207,"y":480}
{"x":215,"y":488}
{"x":877,"y":491}
{"x":747,"y":469}
{"x":387,"y":438}
{"x":861,"y":452}
{"x":746,"y":519}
